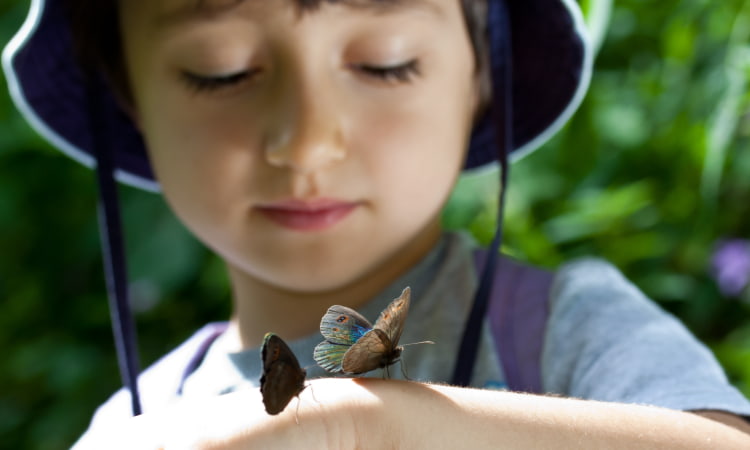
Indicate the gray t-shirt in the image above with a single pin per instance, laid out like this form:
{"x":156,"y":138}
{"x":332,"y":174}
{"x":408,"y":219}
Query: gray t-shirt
{"x":604,"y":340}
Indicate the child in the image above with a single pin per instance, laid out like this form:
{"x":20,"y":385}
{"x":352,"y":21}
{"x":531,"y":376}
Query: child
{"x":312,"y":145}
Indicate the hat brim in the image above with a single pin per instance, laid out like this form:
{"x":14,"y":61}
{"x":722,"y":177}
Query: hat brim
{"x":551,"y":66}
{"x":551,"y":62}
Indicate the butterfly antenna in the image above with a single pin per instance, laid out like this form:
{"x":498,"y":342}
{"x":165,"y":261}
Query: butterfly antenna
{"x":415,"y":343}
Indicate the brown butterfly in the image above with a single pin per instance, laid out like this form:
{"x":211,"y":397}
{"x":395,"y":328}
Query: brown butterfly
{"x":282,"y":378}
{"x":352,"y":345}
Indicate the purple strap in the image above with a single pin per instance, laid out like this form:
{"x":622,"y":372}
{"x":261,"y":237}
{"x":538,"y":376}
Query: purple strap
{"x":518,"y":312}
{"x":214,"y":331}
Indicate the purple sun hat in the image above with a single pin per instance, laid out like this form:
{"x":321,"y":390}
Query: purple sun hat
{"x":551,"y":64}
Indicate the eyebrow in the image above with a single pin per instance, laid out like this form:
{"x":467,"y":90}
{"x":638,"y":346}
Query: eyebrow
{"x":208,"y":9}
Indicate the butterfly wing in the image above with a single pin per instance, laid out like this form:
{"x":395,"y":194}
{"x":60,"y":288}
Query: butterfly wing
{"x":393,"y":317}
{"x":282,"y":378}
{"x":353,"y":345}
{"x":329,"y":356}
{"x":370,"y":352}
{"x":342,"y":325}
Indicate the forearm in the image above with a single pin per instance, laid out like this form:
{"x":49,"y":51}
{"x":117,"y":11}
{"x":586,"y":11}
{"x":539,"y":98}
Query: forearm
{"x":345,"y":413}
{"x":432,"y":416}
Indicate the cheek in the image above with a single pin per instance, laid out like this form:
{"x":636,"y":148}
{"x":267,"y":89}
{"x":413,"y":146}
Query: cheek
{"x":412,"y":182}
{"x":188,"y":144}
{"x":416,"y":155}
{"x":204,"y":163}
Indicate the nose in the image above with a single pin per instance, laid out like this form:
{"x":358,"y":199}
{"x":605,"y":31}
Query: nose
{"x":309,"y":134}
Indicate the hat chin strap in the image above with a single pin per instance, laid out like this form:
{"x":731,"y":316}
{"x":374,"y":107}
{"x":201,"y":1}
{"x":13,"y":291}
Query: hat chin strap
{"x":113,"y":252}
{"x":502,"y":116}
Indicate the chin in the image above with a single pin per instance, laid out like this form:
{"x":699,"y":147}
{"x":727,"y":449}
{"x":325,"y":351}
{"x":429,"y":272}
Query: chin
{"x":309,"y":277}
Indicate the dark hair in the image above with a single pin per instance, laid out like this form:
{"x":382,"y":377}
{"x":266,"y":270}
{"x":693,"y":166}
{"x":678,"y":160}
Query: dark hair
{"x":98,"y":45}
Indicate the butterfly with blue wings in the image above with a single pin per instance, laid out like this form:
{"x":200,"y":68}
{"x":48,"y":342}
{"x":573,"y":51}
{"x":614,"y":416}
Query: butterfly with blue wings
{"x":353,"y":345}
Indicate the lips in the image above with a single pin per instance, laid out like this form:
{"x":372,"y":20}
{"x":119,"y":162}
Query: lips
{"x":307,"y":215}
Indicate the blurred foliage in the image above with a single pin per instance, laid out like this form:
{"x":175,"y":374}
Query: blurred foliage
{"x":650,"y":173}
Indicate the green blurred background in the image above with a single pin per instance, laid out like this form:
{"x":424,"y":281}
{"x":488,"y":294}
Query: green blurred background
{"x":652,"y":171}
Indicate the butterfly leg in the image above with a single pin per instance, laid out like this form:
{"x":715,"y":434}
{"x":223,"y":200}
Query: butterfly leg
{"x":403,"y":370}
{"x":312,"y":392}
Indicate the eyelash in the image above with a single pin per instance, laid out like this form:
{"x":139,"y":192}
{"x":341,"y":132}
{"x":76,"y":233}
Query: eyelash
{"x":202,"y":83}
{"x":402,"y":73}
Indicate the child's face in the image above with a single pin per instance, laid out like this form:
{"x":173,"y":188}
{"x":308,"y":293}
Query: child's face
{"x":307,"y":148}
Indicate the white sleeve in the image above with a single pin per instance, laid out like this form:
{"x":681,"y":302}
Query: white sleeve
{"x":158,"y":385}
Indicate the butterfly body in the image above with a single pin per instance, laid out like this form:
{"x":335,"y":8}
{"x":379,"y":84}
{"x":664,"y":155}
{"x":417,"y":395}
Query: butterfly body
{"x":372,"y":351}
{"x":282,"y":378}
{"x":353,"y":346}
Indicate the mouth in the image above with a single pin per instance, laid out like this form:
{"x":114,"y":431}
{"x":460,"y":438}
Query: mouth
{"x":307,"y":215}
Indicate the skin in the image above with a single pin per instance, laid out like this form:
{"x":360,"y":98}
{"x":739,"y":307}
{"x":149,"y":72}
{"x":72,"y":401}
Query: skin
{"x":309,"y":119}
{"x":351,"y":413}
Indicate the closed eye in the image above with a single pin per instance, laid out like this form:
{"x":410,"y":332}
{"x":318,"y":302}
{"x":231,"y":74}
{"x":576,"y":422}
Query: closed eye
{"x":209,"y":83}
{"x":401,"y":73}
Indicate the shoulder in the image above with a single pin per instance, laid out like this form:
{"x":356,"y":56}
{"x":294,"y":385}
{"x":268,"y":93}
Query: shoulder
{"x":594,"y":287}
{"x":606,"y":340}
{"x":591,"y":277}
{"x":592,"y":302}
